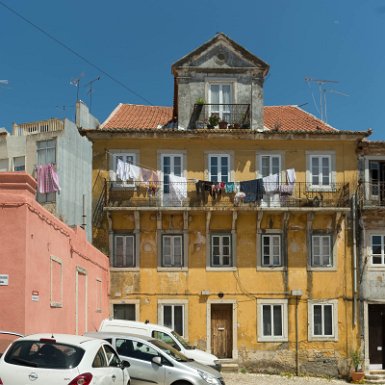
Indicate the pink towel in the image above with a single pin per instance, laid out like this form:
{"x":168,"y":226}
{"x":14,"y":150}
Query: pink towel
{"x":47,"y":179}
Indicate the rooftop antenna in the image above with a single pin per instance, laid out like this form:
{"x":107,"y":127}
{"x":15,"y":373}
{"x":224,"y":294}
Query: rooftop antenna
{"x":322,"y":91}
{"x":90,"y":90}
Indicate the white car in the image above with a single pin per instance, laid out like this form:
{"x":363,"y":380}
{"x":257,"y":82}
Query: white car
{"x":62,"y":359}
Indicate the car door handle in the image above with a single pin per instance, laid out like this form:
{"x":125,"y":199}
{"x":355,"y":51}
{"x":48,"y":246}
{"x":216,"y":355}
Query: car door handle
{"x":113,"y":377}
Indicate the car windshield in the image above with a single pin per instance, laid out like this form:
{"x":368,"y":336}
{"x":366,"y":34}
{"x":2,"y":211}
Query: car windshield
{"x":170,"y":351}
{"x":39,"y":354}
{"x":182,"y":341}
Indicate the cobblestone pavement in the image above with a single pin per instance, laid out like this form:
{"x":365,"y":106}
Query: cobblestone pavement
{"x":267,"y":379}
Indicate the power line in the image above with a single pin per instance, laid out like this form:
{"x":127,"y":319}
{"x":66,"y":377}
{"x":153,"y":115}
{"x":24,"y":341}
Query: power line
{"x":68,"y":48}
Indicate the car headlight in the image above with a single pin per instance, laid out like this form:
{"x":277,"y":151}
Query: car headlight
{"x":209,"y":379}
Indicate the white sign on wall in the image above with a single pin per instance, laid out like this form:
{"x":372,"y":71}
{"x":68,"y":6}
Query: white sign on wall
{"x":3,"y":279}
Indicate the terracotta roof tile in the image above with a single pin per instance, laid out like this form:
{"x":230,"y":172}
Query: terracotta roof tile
{"x":276,"y":118}
{"x":293,"y":118}
{"x":137,"y":116}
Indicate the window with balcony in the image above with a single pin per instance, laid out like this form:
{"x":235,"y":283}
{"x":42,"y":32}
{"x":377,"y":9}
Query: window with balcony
{"x":46,"y":153}
{"x":221,"y":251}
{"x":220,"y":99}
{"x":124,"y":255}
{"x":321,"y":171}
{"x":321,"y":250}
{"x":323,"y":320}
{"x":123,"y":171}
{"x":172,"y":251}
{"x":272,"y":320}
{"x":270,"y":164}
{"x":219,"y":168}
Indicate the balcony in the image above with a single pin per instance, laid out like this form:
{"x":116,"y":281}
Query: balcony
{"x":232,"y":116}
{"x":38,"y":127}
{"x":190,"y":195}
{"x":372,"y":194}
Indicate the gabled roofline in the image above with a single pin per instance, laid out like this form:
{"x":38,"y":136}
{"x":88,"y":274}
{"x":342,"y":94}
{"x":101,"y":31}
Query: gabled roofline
{"x":222,"y":37}
{"x":110,"y":115}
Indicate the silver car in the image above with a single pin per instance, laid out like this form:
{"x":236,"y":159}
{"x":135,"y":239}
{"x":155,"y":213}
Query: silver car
{"x":154,"y":362}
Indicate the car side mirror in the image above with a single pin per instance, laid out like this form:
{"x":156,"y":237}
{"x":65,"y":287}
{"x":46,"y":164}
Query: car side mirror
{"x":125,"y":364}
{"x":157,"y":360}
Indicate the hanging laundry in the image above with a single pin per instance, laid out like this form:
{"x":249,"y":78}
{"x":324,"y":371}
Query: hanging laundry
{"x":178,"y":187}
{"x":47,"y":179}
{"x":253,"y":189}
{"x":288,"y":187}
{"x":134,"y":172}
{"x":270,"y":183}
{"x":121,"y":170}
{"x":229,"y":187}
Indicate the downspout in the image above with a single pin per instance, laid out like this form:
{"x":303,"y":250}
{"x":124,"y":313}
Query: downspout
{"x":354,"y":260}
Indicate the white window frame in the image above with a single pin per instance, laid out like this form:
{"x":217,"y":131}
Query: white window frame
{"x":334,"y":313}
{"x":218,"y":157}
{"x":221,"y":104}
{"x":320,"y":237}
{"x":271,"y":236}
{"x":221,"y":236}
{"x":172,"y":238}
{"x":311,"y":156}
{"x":381,"y":255}
{"x":271,"y":157}
{"x":173,"y":303}
{"x":124,"y":236}
{"x":53,"y":301}
{"x":283,"y":303}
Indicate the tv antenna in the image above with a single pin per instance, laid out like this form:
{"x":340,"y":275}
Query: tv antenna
{"x":90,"y":90}
{"x":322,"y":94}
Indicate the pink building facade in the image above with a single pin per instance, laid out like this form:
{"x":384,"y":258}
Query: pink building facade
{"x":51,"y":278}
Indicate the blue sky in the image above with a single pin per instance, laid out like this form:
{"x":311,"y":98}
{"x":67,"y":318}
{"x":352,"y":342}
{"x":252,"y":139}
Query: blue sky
{"x":131,"y":45}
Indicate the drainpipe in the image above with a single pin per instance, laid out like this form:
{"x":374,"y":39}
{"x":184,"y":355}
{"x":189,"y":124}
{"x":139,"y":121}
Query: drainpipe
{"x":297,"y":294}
{"x":354,"y":260}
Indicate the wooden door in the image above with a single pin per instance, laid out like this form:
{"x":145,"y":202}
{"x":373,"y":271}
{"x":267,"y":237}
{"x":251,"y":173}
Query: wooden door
{"x":222,"y":330}
{"x":377,"y":335}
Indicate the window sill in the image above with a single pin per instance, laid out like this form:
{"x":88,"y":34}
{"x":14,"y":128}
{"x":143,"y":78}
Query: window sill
{"x":322,"y":269}
{"x":225,"y":268}
{"x":173,"y":269}
{"x":122,"y":269}
{"x":320,"y":338}
{"x":270,"y":268}
{"x":273,"y":339}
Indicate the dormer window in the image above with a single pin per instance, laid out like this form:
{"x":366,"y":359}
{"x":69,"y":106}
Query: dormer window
{"x":220,"y":100}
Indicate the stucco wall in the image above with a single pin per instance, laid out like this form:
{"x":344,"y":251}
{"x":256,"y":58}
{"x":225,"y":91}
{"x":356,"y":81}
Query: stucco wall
{"x":32,"y":240}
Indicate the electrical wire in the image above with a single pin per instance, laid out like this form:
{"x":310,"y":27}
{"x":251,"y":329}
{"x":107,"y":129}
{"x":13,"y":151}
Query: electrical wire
{"x":68,"y":48}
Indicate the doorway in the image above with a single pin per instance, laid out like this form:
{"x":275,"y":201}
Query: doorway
{"x":376,"y":335}
{"x":222,"y":330}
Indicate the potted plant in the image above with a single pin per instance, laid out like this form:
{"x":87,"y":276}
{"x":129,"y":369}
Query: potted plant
{"x":223,"y":124}
{"x":195,"y":117}
{"x":357,"y":372}
{"x":213,"y":121}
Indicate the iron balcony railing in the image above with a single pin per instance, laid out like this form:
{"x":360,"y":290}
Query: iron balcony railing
{"x":209,"y":194}
{"x":220,"y":116}
{"x":372,"y":194}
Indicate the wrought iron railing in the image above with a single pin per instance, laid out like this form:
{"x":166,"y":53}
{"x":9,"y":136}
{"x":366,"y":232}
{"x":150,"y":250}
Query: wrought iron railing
{"x":209,"y":194}
{"x":220,"y":116}
{"x":372,"y":194}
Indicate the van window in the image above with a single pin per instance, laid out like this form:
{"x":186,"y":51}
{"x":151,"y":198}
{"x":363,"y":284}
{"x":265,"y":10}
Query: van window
{"x":165,"y":338}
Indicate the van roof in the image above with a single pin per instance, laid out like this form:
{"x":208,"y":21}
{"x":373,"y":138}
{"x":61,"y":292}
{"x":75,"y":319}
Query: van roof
{"x":138,"y":324}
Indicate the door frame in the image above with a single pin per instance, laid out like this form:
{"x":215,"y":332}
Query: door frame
{"x":366,"y":334}
{"x":233,"y":302}
{"x":83,"y":272}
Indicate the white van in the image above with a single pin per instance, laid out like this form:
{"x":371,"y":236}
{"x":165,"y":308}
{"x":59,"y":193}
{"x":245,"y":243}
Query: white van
{"x":162,"y":333}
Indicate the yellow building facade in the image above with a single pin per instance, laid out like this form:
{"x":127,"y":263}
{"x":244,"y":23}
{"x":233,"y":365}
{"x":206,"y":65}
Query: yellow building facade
{"x":240,"y":238}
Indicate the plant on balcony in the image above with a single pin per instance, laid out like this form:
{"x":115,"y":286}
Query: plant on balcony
{"x":223,"y":124}
{"x":200,"y":101}
{"x":213,"y":121}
